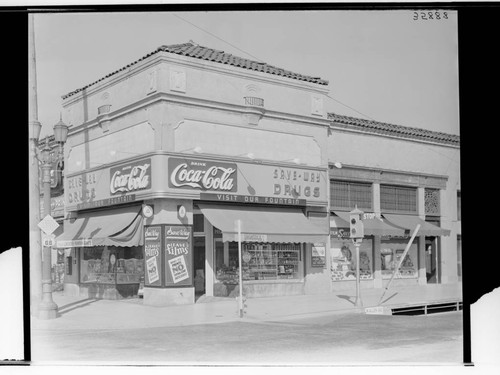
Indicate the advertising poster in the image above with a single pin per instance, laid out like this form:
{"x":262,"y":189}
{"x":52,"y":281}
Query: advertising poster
{"x":152,"y":250}
{"x":343,"y":260}
{"x":391,"y":253}
{"x":178,"y":255}
{"x":178,"y":269}
{"x":318,"y":255}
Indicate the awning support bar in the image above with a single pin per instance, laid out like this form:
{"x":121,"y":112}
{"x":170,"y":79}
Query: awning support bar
{"x":400,"y":261}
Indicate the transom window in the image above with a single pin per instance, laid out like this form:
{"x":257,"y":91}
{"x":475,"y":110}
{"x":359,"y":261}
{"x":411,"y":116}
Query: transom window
{"x":398,"y":198}
{"x":345,"y":194}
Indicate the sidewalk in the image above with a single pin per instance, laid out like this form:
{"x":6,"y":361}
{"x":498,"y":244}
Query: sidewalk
{"x":78,"y":313}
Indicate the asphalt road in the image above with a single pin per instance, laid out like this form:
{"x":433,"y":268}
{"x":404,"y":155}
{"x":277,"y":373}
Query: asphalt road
{"x":336,"y":339}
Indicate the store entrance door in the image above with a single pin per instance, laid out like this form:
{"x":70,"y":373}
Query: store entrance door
{"x":432,"y":259}
{"x":199,"y":265}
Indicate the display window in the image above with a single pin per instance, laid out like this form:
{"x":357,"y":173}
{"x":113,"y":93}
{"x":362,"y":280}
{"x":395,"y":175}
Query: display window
{"x":271,"y":261}
{"x":260,"y":261}
{"x":391,"y":252}
{"x":111,"y":265}
{"x":343,"y":259}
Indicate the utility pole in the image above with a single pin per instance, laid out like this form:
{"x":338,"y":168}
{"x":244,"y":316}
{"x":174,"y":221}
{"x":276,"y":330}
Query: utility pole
{"x":35,"y":250}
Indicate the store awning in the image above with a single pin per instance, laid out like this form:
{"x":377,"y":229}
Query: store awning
{"x":263,"y":224}
{"x":117,"y":227}
{"x":374,"y":226}
{"x":409,"y":222}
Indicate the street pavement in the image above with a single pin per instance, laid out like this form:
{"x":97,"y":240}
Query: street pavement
{"x":324,"y":328}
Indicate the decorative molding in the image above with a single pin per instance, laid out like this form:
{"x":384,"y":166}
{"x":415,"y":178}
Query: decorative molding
{"x":153,"y":79}
{"x":317,"y":105}
{"x":177,"y":80}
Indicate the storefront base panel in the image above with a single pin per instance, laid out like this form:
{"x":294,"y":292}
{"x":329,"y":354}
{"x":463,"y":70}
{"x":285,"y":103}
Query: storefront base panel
{"x":317,"y":284}
{"x":349,"y":285}
{"x":168,"y":296}
{"x":111,"y":292}
{"x":401,"y":282}
{"x":72,"y":290}
{"x":273,"y":290}
{"x":102,"y":291}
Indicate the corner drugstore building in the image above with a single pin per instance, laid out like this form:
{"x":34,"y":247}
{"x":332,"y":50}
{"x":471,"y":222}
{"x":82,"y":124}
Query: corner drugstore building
{"x":165,"y":155}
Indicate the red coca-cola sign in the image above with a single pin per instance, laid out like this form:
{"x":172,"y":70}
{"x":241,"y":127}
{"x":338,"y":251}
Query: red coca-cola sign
{"x":130,"y":177}
{"x":202,"y":174}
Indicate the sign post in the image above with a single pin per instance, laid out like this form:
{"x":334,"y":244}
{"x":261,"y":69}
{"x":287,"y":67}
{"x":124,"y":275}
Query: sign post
{"x":357,"y":234}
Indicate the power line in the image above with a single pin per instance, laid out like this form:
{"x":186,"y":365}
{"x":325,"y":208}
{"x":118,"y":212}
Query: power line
{"x":345,"y":105}
{"x":215,"y":36}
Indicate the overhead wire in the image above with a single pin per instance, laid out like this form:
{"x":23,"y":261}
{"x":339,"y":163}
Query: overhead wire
{"x":328,"y":96}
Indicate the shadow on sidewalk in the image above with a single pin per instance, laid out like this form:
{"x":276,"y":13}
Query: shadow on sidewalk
{"x":387,"y":299}
{"x":75,"y":305}
{"x":347,"y":298}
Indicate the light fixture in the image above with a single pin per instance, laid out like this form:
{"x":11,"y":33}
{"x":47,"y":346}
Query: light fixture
{"x":61,"y":131}
{"x":35,"y":128}
{"x":338,"y":164}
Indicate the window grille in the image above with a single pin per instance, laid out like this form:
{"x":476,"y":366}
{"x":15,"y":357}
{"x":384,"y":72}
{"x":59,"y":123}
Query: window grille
{"x":398,"y":198}
{"x":345,"y":194}
{"x":432,"y":202}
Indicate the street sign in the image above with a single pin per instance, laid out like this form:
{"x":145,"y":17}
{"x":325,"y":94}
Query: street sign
{"x":48,"y":225}
{"x":48,"y":240}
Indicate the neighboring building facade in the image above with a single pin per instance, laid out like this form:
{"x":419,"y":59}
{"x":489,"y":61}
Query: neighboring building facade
{"x":400,"y":177}
{"x":164,"y":156}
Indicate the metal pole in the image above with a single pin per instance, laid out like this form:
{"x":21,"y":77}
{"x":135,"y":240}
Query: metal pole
{"x":47,"y":309}
{"x":240,"y":273}
{"x":35,"y":252}
{"x":358,"y":302}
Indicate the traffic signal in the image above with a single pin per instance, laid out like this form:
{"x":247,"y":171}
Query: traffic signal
{"x":356,"y":224}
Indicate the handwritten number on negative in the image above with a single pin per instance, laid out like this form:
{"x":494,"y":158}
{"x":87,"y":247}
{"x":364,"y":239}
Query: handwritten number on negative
{"x":427,"y":16}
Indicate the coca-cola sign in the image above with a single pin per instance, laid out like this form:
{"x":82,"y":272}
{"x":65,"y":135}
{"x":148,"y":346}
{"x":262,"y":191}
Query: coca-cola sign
{"x":130,"y":177}
{"x":202,"y":174}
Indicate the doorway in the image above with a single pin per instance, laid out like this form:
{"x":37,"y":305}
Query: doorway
{"x":199,"y":265}
{"x":432,"y":260}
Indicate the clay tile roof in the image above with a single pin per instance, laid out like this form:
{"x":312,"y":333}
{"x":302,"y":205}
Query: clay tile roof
{"x":191,"y":49}
{"x":394,"y":130}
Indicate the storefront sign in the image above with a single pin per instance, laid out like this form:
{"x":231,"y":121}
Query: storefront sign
{"x":152,"y":255}
{"x":130,"y":177}
{"x":253,"y":237}
{"x":106,"y":202}
{"x":340,"y":232}
{"x":74,"y":243}
{"x":81,"y":188}
{"x":252,"y":199}
{"x":318,"y":255}
{"x":178,"y":255}
{"x":56,"y":207}
{"x":202,"y":175}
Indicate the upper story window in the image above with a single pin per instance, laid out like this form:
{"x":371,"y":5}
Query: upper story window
{"x":398,"y":199}
{"x":344,"y":194}
{"x":432,"y":202}
{"x":459,"y":205}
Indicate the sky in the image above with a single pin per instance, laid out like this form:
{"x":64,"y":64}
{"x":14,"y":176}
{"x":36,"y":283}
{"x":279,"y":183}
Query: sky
{"x":381,"y":65}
